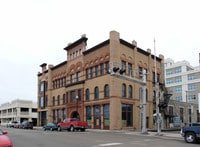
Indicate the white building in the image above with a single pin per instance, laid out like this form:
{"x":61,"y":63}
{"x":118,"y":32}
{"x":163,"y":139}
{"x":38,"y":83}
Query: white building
{"x":18,"y":110}
{"x":183,"y":81}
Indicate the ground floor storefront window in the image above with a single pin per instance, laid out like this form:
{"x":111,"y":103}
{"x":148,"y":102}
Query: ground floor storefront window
{"x":127,"y":115}
{"x":94,"y":116}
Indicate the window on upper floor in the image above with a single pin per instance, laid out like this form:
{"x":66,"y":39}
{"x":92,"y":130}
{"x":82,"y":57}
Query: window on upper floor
{"x":96,"y":93}
{"x":58,"y":100}
{"x":107,"y":67}
{"x":191,"y":87}
{"x":87,"y":95}
{"x":96,"y":70}
{"x":169,"y":72}
{"x":64,"y":99}
{"x":191,"y":77}
{"x":42,"y":84}
{"x":101,"y":69}
{"x":46,"y":100}
{"x":178,"y":89}
{"x":130,"y":91}
{"x":179,"y":98}
{"x":123,"y":90}
{"x":169,"y":81}
{"x":53,"y":100}
{"x":178,"y":79}
{"x":72,"y":78}
{"x":123,"y":66}
{"x":78,"y":76}
{"x":178,"y":70}
{"x":106,"y":91}
{"x":72,"y":96}
{"x":130,"y":69}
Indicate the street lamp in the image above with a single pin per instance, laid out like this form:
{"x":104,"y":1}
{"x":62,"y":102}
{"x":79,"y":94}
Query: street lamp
{"x":77,"y":104}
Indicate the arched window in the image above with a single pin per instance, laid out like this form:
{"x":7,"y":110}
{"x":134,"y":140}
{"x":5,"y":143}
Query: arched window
{"x":58,"y":100}
{"x":106,"y":91}
{"x":96,"y":93}
{"x":87,"y":95}
{"x":130,"y":91}
{"x":123,"y":90}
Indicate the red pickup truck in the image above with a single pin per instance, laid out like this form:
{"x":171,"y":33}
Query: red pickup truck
{"x":72,"y":124}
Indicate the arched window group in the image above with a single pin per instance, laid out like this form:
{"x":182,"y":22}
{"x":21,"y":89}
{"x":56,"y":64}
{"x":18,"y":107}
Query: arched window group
{"x":96,"y":92}
{"x":124,"y":91}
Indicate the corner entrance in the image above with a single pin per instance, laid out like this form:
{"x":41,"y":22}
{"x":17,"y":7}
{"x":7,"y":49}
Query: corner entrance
{"x":75,"y":114}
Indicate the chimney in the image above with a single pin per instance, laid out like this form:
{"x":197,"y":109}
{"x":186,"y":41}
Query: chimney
{"x":44,"y":67}
{"x":149,"y":50}
{"x":134,"y":43}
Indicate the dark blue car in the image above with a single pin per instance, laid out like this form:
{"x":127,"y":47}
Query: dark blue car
{"x":50,"y":126}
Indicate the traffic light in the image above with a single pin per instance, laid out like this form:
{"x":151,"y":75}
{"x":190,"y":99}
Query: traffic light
{"x":115,"y":69}
{"x":162,"y":105}
{"x":122,"y":70}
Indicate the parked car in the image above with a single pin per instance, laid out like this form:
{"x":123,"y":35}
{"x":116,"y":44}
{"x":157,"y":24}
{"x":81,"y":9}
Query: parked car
{"x":26,"y":125}
{"x":17,"y":125}
{"x":50,"y":126}
{"x":5,"y":141}
{"x":11,"y":124}
{"x":191,"y":133}
{"x":72,"y":124}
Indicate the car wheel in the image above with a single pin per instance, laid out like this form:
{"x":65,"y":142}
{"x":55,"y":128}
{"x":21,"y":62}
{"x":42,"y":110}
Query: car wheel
{"x":190,"y":137}
{"x":59,"y":128}
{"x":83,"y":130}
{"x":72,"y":128}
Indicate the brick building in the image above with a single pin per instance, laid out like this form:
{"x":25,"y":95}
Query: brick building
{"x":101,"y":85}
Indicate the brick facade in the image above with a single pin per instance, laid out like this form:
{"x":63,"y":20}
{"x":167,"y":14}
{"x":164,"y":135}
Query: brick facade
{"x":91,"y":70}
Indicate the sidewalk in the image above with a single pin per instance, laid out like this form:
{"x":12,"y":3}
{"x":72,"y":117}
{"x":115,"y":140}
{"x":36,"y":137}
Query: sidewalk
{"x":165,"y":133}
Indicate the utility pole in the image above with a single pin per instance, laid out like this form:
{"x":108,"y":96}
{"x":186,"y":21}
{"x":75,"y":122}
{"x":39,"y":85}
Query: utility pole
{"x":144,"y":87}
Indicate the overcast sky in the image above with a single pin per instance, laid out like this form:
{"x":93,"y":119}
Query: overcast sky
{"x":33,"y":32}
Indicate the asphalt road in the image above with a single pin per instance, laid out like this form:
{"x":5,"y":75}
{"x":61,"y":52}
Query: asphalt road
{"x":40,"y":138}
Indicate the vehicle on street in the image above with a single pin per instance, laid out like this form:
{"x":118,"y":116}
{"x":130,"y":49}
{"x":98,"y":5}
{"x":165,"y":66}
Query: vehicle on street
{"x":50,"y":126}
{"x":11,"y":124}
{"x":17,"y":125}
{"x":26,"y":125}
{"x":5,"y":141}
{"x":72,"y":124}
{"x":191,"y":133}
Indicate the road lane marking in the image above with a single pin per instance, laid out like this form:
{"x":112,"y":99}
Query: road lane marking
{"x":108,"y":144}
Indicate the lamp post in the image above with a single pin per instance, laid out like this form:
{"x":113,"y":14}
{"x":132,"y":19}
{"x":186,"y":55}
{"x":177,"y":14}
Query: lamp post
{"x":77,"y":105}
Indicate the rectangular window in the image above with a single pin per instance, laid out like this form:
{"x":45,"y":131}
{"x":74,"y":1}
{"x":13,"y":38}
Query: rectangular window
{"x":42,"y":86}
{"x":72,"y":78}
{"x":72,"y":96}
{"x":78,"y":76}
{"x":123,"y":65}
{"x":79,"y":94}
{"x":41,"y":102}
{"x":127,"y":115}
{"x":46,"y":100}
{"x":53,"y":101}
{"x":107,"y":67}
{"x":101,"y":68}
{"x":96,"y":70}
{"x":106,"y":114}
{"x":92,"y":72}
{"x":130,"y":70}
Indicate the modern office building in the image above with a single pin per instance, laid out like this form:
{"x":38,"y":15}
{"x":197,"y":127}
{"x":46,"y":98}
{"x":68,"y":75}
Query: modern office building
{"x":18,"y":110}
{"x":183,"y":81}
{"x":104,"y":85}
